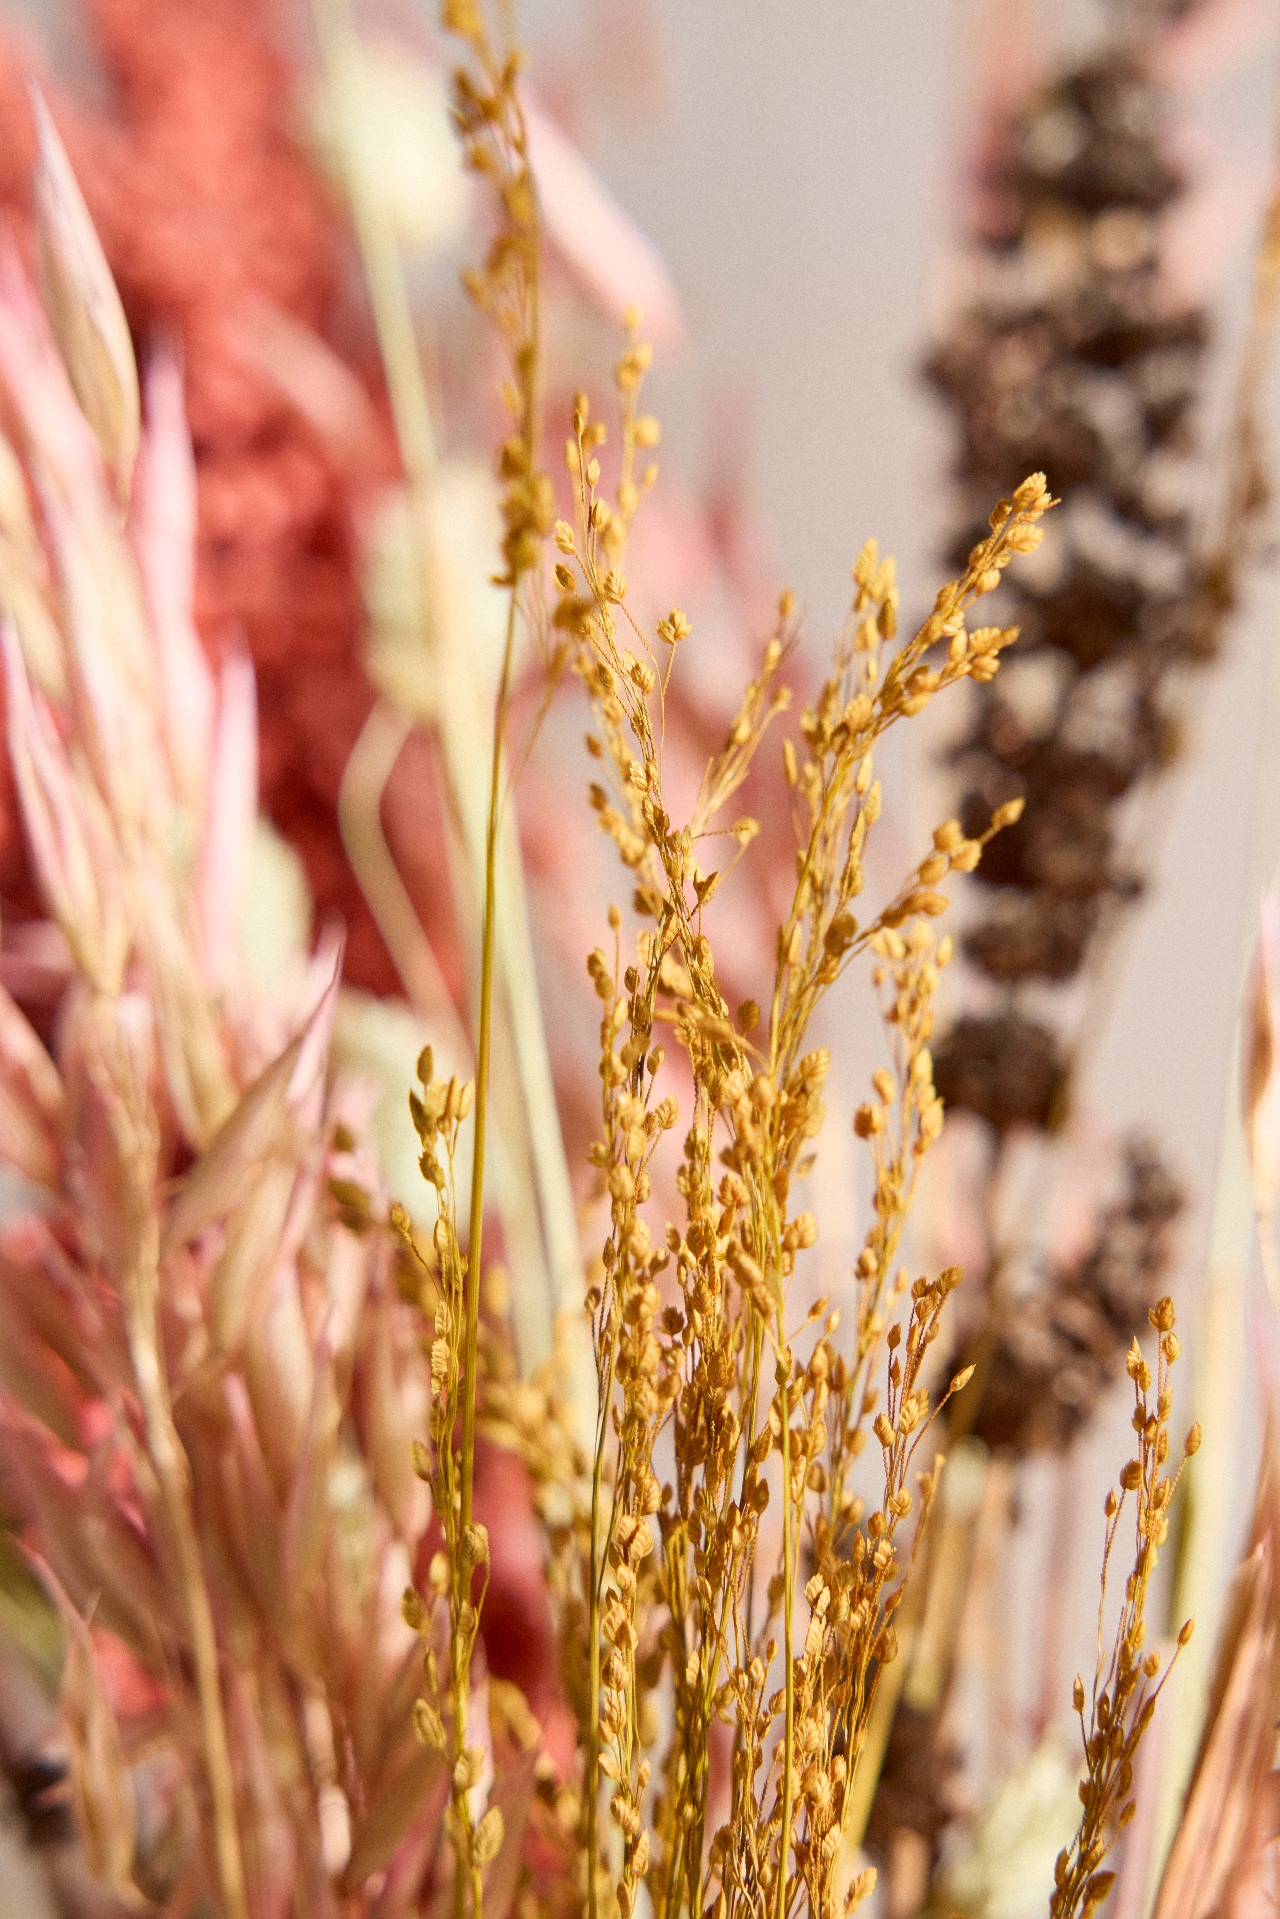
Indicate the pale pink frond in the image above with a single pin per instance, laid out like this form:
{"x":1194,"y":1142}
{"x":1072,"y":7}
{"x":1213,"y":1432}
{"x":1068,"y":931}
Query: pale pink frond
{"x":162,"y":525}
{"x":403,"y":1813}
{"x":277,"y":1867}
{"x":278,"y":1362}
{"x":94,"y":1548}
{"x":59,"y":441}
{"x":69,"y":841}
{"x":320,"y":1003}
{"x":215,"y":1184}
{"x":41,"y":1287}
{"x":103,"y":629}
{"x":267,"y":1231}
{"x":24,"y":1060}
{"x":113,"y":673}
{"x":102,"y":1790}
{"x":619,"y":265}
{"x":253,"y":1514}
{"x":347,"y":1282}
{"x":83,"y":306}
{"x":32,"y":1373}
{"x":240,"y":1280}
{"x":28,"y":1148}
{"x":308,"y":1520}
{"x":390,"y":1420}
{"x":229,"y":823}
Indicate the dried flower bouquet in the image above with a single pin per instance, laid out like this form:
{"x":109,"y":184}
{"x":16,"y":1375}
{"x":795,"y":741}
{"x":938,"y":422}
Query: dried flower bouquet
{"x":213,"y":1385}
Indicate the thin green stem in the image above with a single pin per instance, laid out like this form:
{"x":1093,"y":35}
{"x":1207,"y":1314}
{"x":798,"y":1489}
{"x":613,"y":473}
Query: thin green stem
{"x":484,"y":1041}
{"x":471,"y":1336}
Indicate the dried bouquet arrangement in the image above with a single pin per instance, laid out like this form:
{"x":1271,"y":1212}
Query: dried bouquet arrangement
{"x":245,"y":1388}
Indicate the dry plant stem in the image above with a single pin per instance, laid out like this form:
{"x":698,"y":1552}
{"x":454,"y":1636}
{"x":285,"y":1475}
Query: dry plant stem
{"x":483,"y":1044}
{"x":416,"y":439}
{"x":384,"y":276}
{"x":141,"y":1294}
{"x":471,"y":1336}
{"x":364,"y":780}
{"x":492,"y":128}
{"x":1124,"y":1697}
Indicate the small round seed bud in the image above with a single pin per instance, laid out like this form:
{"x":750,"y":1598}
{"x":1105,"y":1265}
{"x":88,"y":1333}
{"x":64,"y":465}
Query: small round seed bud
{"x":1007,"y":815}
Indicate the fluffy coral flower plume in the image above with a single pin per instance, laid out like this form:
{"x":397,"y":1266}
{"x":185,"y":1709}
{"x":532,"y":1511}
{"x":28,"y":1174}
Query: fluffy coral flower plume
{"x":1260,"y":1060}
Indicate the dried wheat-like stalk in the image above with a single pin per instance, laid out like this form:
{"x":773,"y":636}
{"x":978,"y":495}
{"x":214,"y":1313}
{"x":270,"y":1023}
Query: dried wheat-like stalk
{"x":491,"y":126}
{"x":1128,"y":1682}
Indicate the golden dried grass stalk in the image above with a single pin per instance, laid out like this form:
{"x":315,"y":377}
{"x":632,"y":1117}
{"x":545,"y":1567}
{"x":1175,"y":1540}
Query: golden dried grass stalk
{"x":663,"y":1587}
{"x":491,"y":127}
{"x":702,"y":1367}
{"x":1127,"y":1682}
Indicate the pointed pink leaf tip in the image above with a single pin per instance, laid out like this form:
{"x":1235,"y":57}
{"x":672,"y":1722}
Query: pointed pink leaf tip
{"x":83,"y":306}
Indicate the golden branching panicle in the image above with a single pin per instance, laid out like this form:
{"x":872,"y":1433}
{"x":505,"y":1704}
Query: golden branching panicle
{"x":657,"y":1581}
{"x":673,"y":1590}
{"x":1128,"y":1682}
{"x":450,"y":1614}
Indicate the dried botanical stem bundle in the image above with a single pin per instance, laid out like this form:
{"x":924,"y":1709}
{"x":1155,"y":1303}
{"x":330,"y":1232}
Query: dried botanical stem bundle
{"x":671,"y":1604}
{"x":1128,"y":1682}
{"x":718,"y":1367}
{"x":229,"y":1398}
